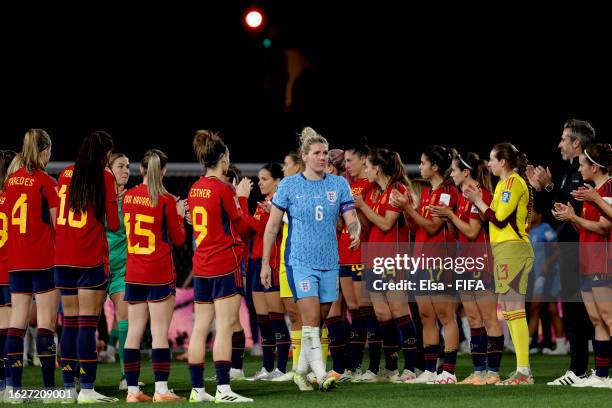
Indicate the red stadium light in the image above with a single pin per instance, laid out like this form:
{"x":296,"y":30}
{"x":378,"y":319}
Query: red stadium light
{"x":254,"y":19}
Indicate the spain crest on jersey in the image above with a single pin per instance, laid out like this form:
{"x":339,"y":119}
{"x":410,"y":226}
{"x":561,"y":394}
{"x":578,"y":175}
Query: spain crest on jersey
{"x":332,"y":196}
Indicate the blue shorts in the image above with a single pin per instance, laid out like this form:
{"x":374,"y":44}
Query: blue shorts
{"x":254,"y":276}
{"x":70,"y":279}
{"x":588,"y":282}
{"x":207,"y":290}
{"x":29,"y":282}
{"x":307,"y":282}
{"x":5,"y":295}
{"x":135,"y":293}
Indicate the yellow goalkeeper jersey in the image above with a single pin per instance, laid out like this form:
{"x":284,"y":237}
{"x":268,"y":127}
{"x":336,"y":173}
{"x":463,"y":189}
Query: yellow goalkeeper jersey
{"x":512,"y":206}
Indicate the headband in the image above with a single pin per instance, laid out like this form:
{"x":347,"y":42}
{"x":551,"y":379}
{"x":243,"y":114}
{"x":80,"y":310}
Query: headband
{"x":464,"y":163}
{"x":593,"y":161}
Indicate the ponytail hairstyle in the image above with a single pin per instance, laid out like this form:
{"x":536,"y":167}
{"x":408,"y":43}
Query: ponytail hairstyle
{"x":477,"y":167}
{"x":15,"y":165}
{"x":297,"y":159}
{"x":6,"y":158}
{"x":275,"y":170}
{"x":309,"y":137}
{"x":34,"y":142}
{"x":208,"y":147}
{"x":515,"y":159}
{"x":440,"y":156}
{"x":87,"y":183}
{"x":153,"y":162}
{"x":335,"y":159}
{"x":391,"y":165}
{"x":600,"y":155}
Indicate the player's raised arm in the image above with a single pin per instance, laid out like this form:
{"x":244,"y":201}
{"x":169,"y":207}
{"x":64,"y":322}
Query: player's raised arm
{"x":593,"y":170}
{"x":589,"y":194}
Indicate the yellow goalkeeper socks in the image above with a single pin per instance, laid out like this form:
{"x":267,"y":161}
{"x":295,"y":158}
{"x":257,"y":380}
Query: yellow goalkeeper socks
{"x":517,"y":325}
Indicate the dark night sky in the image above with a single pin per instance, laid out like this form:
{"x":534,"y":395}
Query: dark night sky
{"x":402,"y":77}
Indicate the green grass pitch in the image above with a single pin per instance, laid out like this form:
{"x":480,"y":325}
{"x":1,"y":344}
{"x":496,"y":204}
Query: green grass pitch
{"x":355,"y":395}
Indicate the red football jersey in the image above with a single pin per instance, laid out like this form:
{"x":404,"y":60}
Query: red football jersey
{"x":424,"y":241}
{"x":151,"y":231}
{"x":380,"y":207}
{"x":593,"y":259}
{"x":81,"y":238}
{"x":214,"y":211}
{"x":4,"y":217}
{"x":363,"y":188}
{"x":29,"y":196}
{"x":257,"y":223}
{"x":480,"y":246}
{"x":466,"y":211}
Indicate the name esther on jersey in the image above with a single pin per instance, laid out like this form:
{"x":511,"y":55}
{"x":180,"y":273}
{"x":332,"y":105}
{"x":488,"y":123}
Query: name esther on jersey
{"x":426,"y":284}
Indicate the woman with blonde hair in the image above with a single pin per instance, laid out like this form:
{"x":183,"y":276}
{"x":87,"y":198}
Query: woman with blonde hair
{"x":313,"y":201}
{"x":31,"y":201}
{"x":153,"y":221}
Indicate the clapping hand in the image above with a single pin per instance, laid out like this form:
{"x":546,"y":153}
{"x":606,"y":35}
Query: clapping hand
{"x":586,"y":193}
{"x":243,"y":189}
{"x":563,"y":212}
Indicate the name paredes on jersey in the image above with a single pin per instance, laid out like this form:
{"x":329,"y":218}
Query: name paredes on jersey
{"x":20,"y":181}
